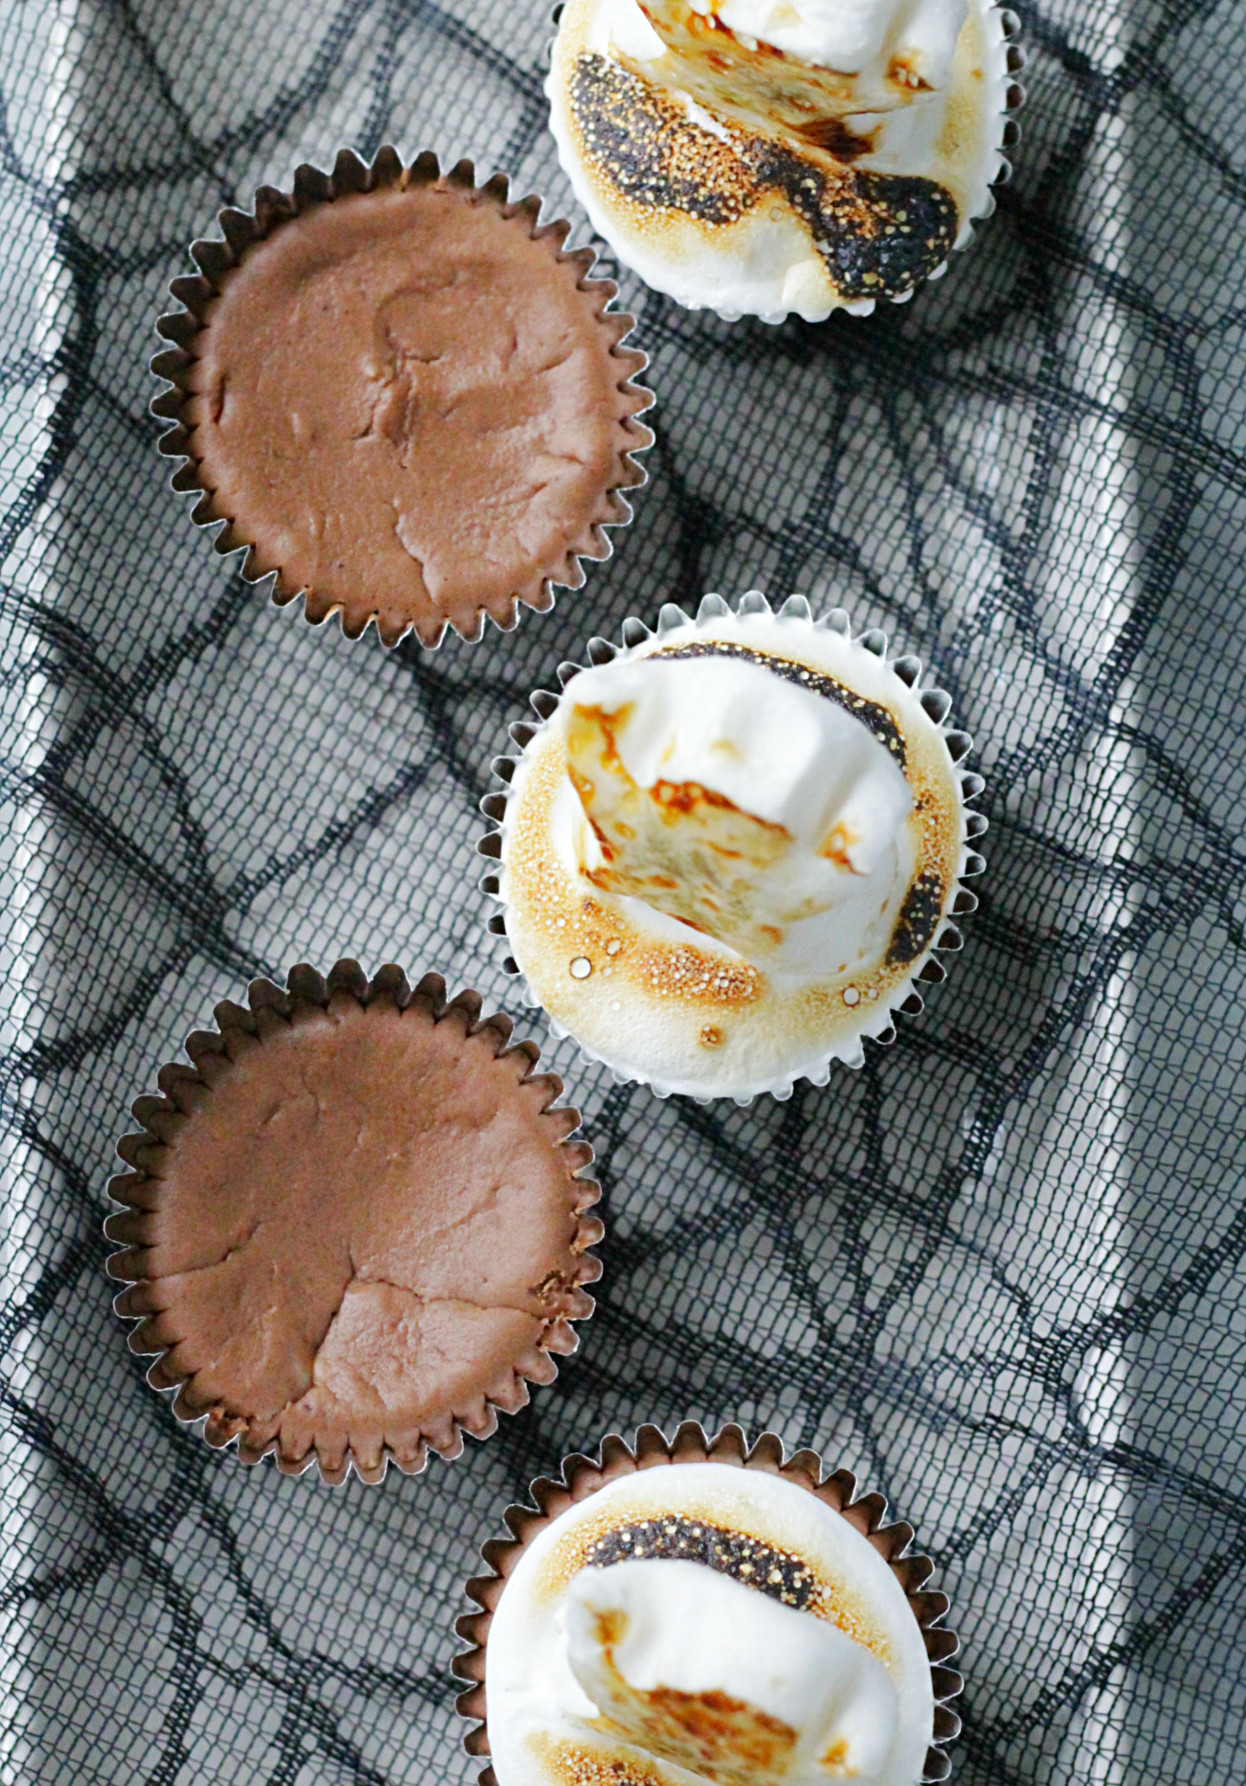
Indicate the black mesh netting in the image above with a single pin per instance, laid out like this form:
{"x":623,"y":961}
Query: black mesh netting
{"x":999,"y":1271}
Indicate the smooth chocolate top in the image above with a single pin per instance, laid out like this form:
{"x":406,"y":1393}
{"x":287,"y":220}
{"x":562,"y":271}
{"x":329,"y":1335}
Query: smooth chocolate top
{"x":409,"y":408}
{"x":364,"y":1228}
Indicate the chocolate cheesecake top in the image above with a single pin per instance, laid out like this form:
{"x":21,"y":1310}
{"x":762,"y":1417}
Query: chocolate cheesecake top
{"x":356,"y":1228}
{"x":412,"y":405}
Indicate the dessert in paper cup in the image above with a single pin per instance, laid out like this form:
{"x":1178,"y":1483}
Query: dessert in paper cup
{"x":734,"y":848}
{"x":401,"y":393}
{"x":702,"y":1610}
{"x":355,"y":1223}
{"x":765,"y":157}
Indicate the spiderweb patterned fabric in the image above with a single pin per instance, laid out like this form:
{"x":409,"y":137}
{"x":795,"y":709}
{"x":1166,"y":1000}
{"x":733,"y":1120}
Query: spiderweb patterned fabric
{"x":998,"y":1272}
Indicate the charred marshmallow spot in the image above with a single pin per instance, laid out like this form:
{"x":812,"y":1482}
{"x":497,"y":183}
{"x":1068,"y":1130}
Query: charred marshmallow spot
{"x":877,"y":234}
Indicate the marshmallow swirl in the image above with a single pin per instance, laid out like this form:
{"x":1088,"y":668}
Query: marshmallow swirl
{"x":679,"y":1654}
{"x":761,"y":157}
{"x":694,"y":1668}
{"x":911,"y":43}
{"x":754,"y":810}
{"x":729,"y":852}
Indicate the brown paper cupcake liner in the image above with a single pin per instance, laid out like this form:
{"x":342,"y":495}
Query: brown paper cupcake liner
{"x":185,"y":1088}
{"x":216,"y":259}
{"x":908,"y":999}
{"x":582,"y":1477}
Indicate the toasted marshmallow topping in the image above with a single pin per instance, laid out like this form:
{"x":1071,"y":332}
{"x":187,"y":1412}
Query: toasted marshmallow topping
{"x":698,"y":1622}
{"x":728,"y":853}
{"x":853,"y":36}
{"x":742,"y":805}
{"x":695,"y":1668}
{"x":762,"y":157}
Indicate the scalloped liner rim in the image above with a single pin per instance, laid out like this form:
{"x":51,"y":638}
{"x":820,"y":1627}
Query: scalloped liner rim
{"x":306,"y":985}
{"x":729,"y":1447}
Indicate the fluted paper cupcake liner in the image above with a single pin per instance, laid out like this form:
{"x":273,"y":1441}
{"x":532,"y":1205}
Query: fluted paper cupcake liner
{"x":185,"y":1087}
{"x":878,"y":1022}
{"x":312,"y":187}
{"x":581,"y":1477}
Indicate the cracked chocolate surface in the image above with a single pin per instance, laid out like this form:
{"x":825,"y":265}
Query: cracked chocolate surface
{"x":367,"y":1225}
{"x":407,"y":407}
